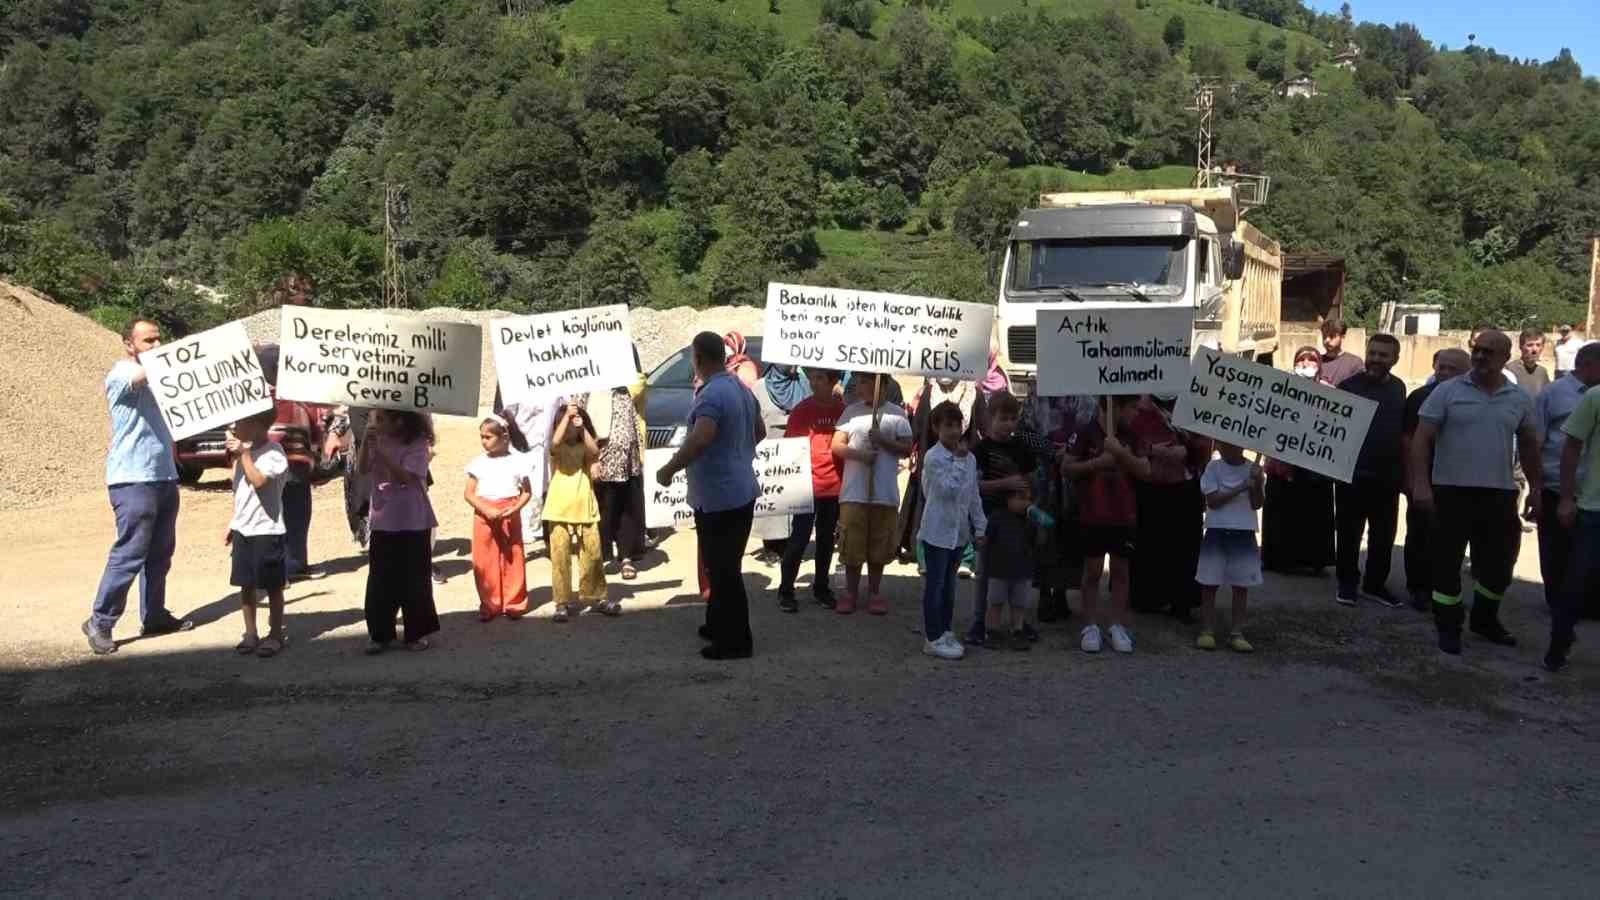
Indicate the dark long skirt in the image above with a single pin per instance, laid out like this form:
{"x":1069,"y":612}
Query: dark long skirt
{"x":400,"y":578}
{"x":1297,"y":524}
{"x":1171,"y":524}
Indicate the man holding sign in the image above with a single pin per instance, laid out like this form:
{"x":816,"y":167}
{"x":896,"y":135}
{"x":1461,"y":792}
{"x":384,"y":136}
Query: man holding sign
{"x":724,"y":427}
{"x":142,"y":478}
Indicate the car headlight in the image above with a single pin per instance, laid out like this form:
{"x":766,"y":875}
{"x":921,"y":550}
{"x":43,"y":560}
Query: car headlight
{"x":679,"y":435}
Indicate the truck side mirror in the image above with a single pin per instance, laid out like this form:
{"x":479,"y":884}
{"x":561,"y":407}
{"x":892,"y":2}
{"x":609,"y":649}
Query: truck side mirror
{"x":1233,"y":261}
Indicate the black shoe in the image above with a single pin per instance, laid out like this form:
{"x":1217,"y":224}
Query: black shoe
{"x":1382,"y":595}
{"x":977,"y":635}
{"x":1421,"y":600}
{"x":704,"y":632}
{"x":824,"y":600}
{"x":1019,"y":641}
{"x":1555,"y":659}
{"x":715,"y":652}
{"x":1447,"y":617}
{"x":1030,"y":632}
{"x":1183,"y":615}
{"x":167,"y":623}
{"x":438,"y":575}
{"x":786,"y":603}
{"x":1495,"y":633}
{"x":100,"y":642}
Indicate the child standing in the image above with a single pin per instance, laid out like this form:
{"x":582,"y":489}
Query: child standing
{"x":1102,"y":466}
{"x":1005,"y":472}
{"x":1234,"y":490}
{"x":814,"y":418}
{"x":870,"y":443}
{"x":497,"y":490}
{"x":256,"y":533}
{"x":952,"y":516}
{"x":571,"y":513}
{"x":399,"y":564}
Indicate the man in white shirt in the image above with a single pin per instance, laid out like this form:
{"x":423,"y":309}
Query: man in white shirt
{"x":869,"y":444}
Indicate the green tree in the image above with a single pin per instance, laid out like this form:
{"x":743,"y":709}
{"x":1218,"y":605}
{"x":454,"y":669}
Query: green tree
{"x":772,"y":197}
{"x":893,"y":207}
{"x":986,"y":206}
{"x":1174,"y":34}
{"x":344,"y":265}
{"x":606,"y":270}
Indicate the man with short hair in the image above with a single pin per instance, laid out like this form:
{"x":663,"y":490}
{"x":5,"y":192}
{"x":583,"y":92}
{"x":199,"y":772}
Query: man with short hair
{"x":1337,"y":365}
{"x":1551,"y":412}
{"x":1578,"y":513}
{"x":1567,"y":347}
{"x":1447,"y":364}
{"x":142,"y":479}
{"x":1531,"y":376}
{"x":719,"y":453}
{"x":1371,"y":501}
{"x":1467,"y":431}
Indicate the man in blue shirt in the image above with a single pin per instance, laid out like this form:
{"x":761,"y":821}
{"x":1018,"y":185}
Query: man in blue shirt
{"x":142,"y":478}
{"x":1554,"y":404}
{"x":724,"y":427}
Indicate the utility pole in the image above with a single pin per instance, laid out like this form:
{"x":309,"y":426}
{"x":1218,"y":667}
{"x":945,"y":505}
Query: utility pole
{"x":394,"y":276}
{"x":1204,"y":103}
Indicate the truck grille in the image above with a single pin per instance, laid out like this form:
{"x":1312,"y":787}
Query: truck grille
{"x":1022,"y":344}
{"x":658,"y":437}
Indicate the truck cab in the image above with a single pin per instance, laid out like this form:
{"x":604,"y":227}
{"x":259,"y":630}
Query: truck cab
{"x":1137,"y":248}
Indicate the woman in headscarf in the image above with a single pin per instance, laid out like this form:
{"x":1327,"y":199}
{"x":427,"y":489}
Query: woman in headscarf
{"x":1171,"y":513}
{"x":966,"y":396}
{"x":995,"y":380}
{"x":1297,"y":524}
{"x":738,"y":362}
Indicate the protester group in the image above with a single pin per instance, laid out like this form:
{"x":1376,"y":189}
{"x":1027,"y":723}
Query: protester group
{"x":1029,"y":497}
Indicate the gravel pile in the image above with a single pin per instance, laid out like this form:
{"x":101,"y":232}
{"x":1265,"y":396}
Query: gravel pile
{"x":658,"y":332}
{"x":53,"y":420}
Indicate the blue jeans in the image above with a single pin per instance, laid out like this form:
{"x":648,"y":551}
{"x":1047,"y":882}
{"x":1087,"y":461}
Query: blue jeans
{"x":939,"y":589}
{"x":1582,"y":576}
{"x":147,"y":520}
{"x":297,"y":524}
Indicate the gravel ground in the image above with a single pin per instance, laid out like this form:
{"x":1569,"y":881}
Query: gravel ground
{"x":53,"y":420}
{"x":1345,"y":758}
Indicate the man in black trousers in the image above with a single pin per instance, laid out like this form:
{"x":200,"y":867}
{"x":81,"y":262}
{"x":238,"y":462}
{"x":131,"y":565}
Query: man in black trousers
{"x":1371,"y":501}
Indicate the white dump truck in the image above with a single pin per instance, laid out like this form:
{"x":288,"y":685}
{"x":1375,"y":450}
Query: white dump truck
{"x":1184,"y":247}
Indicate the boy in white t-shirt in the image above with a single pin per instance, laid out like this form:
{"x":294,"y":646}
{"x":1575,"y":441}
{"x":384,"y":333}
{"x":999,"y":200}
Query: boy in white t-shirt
{"x":256,"y":531}
{"x":1234,"y":489}
{"x":869,"y":499}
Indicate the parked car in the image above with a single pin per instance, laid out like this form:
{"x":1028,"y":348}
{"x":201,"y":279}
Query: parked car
{"x":666,"y":404}
{"x":200,"y":452}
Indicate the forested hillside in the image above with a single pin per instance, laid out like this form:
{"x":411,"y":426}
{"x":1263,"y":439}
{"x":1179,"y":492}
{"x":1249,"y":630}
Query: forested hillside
{"x":544,"y":155}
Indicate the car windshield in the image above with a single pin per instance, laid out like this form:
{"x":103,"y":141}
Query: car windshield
{"x":677,"y":370}
{"x":1154,"y":265}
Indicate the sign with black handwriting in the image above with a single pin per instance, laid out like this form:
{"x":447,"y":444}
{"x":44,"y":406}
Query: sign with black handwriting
{"x":206,"y":380}
{"x":562,"y":353}
{"x":1114,"y":350}
{"x":1288,"y":417}
{"x":783,"y":469}
{"x":866,"y":331}
{"x":379,"y":360}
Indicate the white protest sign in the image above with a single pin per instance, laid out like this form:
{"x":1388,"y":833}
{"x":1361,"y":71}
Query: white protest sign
{"x":562,"y":353}
{"x":1114,"y":350}
{"x":379,"y":360}
{"x":783,"y":469}
{"x":206,"y":380}
{"x":866,"y":331}
{"x":1287,"y":417}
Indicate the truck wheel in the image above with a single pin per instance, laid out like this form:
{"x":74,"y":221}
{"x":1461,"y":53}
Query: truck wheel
{"x":189,"y":474}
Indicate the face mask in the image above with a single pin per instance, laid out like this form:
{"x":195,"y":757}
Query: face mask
{"x":1306,"y":371}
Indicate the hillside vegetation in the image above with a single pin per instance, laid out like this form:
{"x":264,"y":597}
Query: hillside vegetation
{"x":542,"y":156}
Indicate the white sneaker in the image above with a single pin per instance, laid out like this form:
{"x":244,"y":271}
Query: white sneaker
{"x":964,"y":571}
{"x":1091,"y":639}
{"x":941,"y":650}
{"x":951,"y":642}
{"x":1121,"y":640}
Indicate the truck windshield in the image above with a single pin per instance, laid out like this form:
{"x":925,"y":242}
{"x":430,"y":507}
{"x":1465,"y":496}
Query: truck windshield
{"x":1155,"y":265}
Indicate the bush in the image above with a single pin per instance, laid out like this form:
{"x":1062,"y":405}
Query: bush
{"x":893,"y":207}
{"x":847,"y":203}
{"x":1174,"y":34}
{"x":111,"y":318}
{"x":853,"y":15}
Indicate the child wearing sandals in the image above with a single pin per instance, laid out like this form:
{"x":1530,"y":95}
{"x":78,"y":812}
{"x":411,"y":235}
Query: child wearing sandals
{"x":256,"y":533}
{"x":497,"y":490}
{"x":572,"y":515}
{"x":399,"y":565}
{"x":1234,"y":490}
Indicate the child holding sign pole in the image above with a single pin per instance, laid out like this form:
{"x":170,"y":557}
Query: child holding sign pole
{"x":1234,"y":490}
{"x":497,"y":490}
{"x":1103,"y":465}
{"x":871,"y":439}
{"x":256,"y":533}
{"x":572,"y":515}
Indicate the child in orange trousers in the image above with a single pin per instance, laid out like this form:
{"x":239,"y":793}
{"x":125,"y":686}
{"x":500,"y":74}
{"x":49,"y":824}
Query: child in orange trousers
{"x":497,"y":490}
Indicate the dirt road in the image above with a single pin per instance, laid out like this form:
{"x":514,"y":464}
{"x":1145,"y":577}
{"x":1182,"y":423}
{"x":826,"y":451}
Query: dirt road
{"x":604,"y":757}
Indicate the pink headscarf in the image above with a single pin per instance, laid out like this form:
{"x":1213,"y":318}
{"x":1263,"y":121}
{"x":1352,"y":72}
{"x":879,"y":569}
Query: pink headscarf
{"x":996,"y":381}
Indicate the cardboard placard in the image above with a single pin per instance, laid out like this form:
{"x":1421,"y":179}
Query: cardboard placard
{"x":1285,"y":416}
{"x":783,"y":469}
{"x":1114,"y":350}
{"x":207,"y":380}
{"x":562,"y":353}
{"x":379,"y":360}
{"x":866,"y":331}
